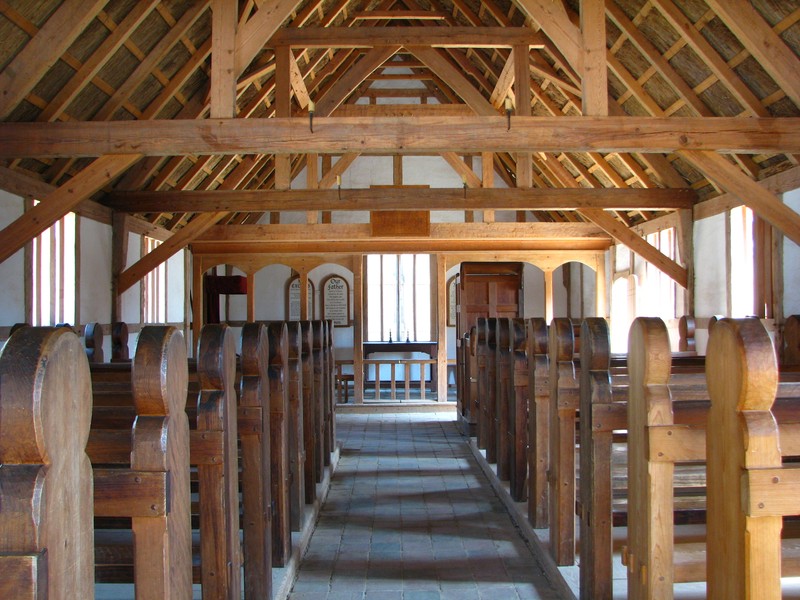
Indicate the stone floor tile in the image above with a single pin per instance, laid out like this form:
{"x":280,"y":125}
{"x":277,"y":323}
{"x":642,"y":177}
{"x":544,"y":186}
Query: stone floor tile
{"x":410,"y":516}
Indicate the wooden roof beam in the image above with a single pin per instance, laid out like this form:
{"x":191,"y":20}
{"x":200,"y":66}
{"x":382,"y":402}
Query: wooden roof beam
{"x":710,"y":56}
{"x":442,"y":67}
{"x":348,"y":82}
{"x":58,"y":203}
{"x":763,"y":202}
{"x":251,"y":37}
{"x":637,"y":244}
{"x":439,"y":37}
{"x":63,"y":27}
{"x":222,"y":96}
{"x":762,"y":42}
{"x":97,"y":60}
{"x":400,"y":135}
{"x":476,"y":198}
{"x":554,"y":20}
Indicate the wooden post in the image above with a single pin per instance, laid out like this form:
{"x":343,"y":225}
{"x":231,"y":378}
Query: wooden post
{"x":358,"y":328}
{"x":548,"y":295}
{"x":251,"y":297}
{"x":304,"y":307}
{"x":441,"y":328}
{"x":487,"y":168}
{"x":283,"y":108}
{"x":601,"y":307}
{"x":197,"y":304}
{"x":119,"y":258}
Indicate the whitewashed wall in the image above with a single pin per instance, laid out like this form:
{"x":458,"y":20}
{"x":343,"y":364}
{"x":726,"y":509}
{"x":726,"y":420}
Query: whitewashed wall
{"x":95,"y":279}
{"x":791,"y":264}
{"x":12,"y":270}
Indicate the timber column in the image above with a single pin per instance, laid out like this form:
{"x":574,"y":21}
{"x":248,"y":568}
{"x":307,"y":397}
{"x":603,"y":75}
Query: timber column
{"x":358,"y":328}
{"x":548,"y":296}
{"x":441,"y":327}
{"x":600,"y":287}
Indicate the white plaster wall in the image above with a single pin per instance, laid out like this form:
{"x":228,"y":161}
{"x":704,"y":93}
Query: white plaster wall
{"x":12,"y":270}
{"x":176,"y":287}
{"x":791,"y":263}
{"x":709,"y":258}
{"x":131,"y":298}
{"x":270,"y":290}
{"x":95,"y":299}
{"x":533,"y":289}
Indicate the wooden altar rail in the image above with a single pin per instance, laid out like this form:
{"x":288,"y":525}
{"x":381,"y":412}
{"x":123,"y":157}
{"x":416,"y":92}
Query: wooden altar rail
{"x":407,"y":364}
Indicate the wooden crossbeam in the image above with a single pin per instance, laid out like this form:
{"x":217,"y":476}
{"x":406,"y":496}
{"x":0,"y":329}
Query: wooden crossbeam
{"x":354,"y":77}
{"x":465,"y":171}
{"x":437,"y":63}
{"x":763,"y":202}
{"x":638,"y":244}
{"x":476,"y":198}
{"x":440,"y":37}
{"x":61,"y":201}
{"x":400,"y":135}
{"x":252,"y":35}
{"x":444,"y":237}
{"x":552,"y":17}
{"x":178,"y":241}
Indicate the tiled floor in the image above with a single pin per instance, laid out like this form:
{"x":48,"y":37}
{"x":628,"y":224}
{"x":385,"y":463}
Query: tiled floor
{"x":410,"y":516}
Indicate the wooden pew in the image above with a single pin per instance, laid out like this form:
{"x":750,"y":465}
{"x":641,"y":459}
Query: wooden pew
{"x":518,"y":415}
{"x":567,"y":383}
{"x":46,"y":532}
{"x":790,"y":354}
{"x":93,"y":342}
{"x":212,"y":444}
{"x":504,"y":397}
{"x":156,"y":452}
{"x":487,"y":389}
{"x":217,"y":465}
{"x":298,"y":353}
{"x":469,"y":383}
{"x":316,"y":403}
{"x":329,"y":403}
{"x":596,"y":443}
{"x":119,"y":342}
{"x":742,"y":374}
{"x":686,"y":333}
{"x":278,"y":333}
{"x":745,"y":449}
{"x":482,"y":376}
{"x":564,"y":397}
{"x":254,"y":427}
{"x":538,"y":422}
{"x":511,"y":405}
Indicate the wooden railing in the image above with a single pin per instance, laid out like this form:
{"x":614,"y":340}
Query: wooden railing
{"x":404,"y":375}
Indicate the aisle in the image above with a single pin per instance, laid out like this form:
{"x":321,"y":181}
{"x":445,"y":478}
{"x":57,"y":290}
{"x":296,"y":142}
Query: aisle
{"x":410,"y":516}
